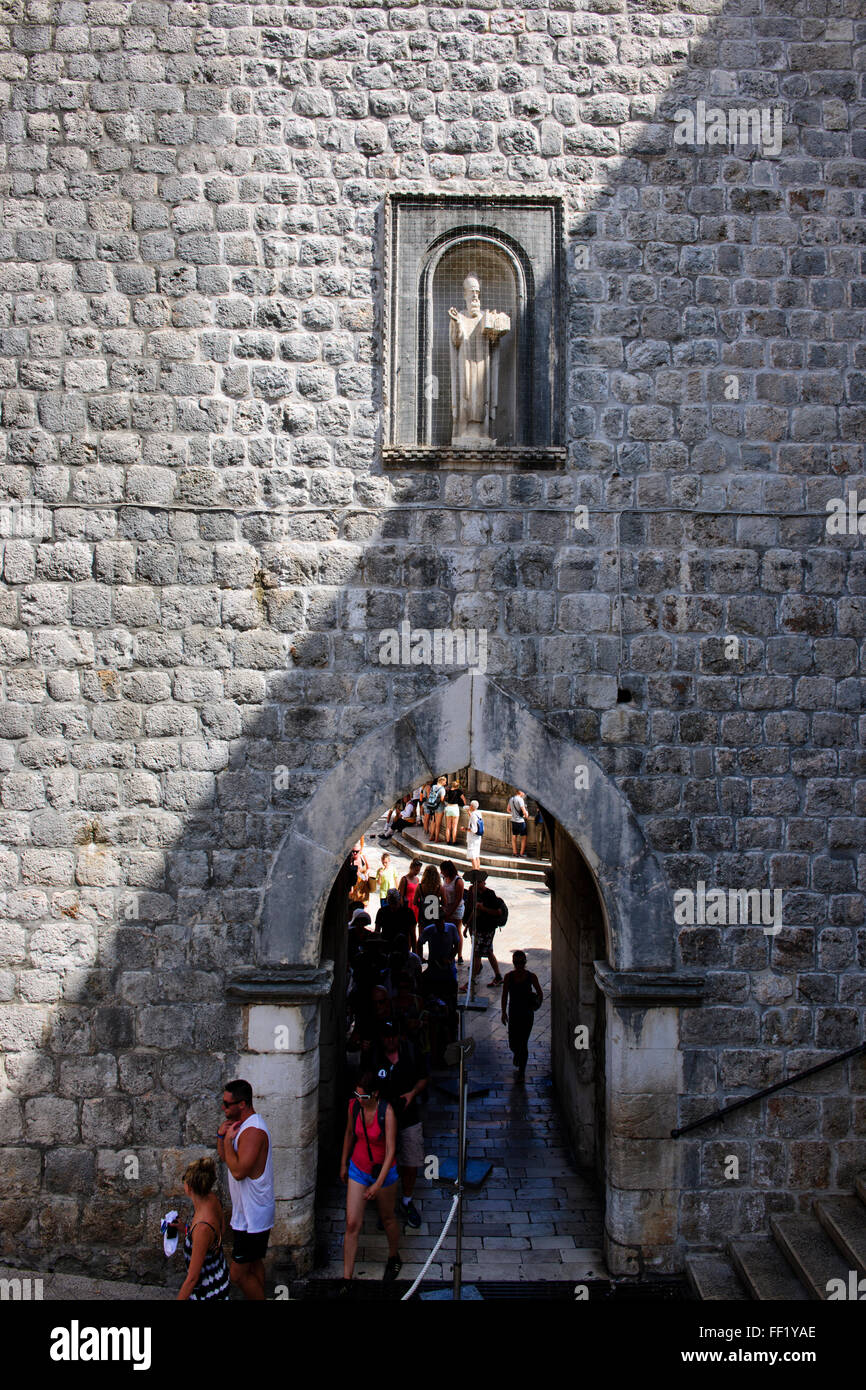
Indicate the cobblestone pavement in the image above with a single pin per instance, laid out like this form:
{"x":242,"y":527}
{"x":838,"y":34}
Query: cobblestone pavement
{"x":536,"y":1216}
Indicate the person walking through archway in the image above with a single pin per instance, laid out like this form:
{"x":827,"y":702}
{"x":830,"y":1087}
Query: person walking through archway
{"x":395,"y":920}
{"x":386,"y":879}
{"x":484,"y":913}
{"x":408,"y":888}
{"x":453,"y":889}
{"x":368,"y":1169}
{"x":430,"y":899}
{"x":521,"y":996}
{"x":402,"y":1078}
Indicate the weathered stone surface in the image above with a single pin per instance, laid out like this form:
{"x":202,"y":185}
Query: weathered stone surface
{"x":196,"y":721}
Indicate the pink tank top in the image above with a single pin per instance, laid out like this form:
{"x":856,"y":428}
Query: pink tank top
{"x":360,"y":1156}
{"x":411,"y":890}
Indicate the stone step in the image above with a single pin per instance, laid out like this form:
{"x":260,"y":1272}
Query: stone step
{"x":712,"y":1278}
{"x":810,"y":1252}
{"x":765,"y":1272}
{"x":497,"y":865}
{"x":844,"y":1220}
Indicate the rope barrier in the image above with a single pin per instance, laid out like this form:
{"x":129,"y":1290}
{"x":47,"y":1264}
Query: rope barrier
{"x":458,"y":1195}
{"x":430,"y":1257}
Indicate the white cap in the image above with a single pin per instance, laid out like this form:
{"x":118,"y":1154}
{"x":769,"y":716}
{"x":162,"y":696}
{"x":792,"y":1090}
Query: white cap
{"x":169,"y":1242}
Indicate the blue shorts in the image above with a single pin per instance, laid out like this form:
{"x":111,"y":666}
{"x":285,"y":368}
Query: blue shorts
{"x":367,"y":1179}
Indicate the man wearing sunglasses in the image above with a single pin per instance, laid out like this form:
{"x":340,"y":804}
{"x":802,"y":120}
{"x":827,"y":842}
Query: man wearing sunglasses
{"x":244,"y":1145}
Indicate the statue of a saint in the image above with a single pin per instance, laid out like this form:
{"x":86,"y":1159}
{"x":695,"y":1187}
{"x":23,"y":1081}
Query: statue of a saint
{"x":474,"y":337}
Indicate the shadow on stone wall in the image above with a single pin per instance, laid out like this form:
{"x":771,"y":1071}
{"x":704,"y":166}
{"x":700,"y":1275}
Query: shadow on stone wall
{"x":204,"y":621}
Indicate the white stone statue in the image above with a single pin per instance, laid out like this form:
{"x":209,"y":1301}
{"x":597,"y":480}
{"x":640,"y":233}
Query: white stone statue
{"x":474,"y":337}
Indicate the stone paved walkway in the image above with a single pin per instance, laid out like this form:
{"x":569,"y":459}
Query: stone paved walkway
{"x":536,"y":1216}
{"x":78,"y":1288}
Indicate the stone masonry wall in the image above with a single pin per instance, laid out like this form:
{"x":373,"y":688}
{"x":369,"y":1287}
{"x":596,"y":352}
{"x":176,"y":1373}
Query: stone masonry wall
{"x":190,"y":311}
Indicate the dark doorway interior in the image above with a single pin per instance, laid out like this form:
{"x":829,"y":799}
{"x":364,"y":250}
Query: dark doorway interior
{"x":540,"y":1213}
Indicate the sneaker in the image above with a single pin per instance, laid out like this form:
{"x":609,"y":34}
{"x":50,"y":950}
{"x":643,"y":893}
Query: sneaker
{"x":344,"y":1289}
{"x":411,"y":1215}
{"x":494,"y":984}
{"x":392,"y":1268}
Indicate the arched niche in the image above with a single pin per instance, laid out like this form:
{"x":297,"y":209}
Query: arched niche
{"x":506,"y":286}
{"x":514,"y":246}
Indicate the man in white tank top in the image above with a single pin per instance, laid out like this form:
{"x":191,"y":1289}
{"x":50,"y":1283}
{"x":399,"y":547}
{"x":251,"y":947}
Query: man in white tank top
{"x":244,"y":1144}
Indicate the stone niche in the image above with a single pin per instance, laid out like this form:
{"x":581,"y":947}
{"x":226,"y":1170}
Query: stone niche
{"x":473,"y":331}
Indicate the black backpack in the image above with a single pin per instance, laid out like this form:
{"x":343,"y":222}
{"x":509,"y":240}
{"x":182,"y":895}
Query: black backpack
{"x":503,"y":912}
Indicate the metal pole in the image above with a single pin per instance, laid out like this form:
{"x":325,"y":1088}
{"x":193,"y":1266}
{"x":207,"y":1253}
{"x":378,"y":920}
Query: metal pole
{"x":470,"y":992}
{"x":461,"y":1160}
{"x":461,"y":1111}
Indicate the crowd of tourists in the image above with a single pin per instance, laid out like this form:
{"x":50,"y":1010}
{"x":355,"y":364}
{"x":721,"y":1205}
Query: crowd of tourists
{"x":436,"y":807}
{"x":407,"y":935}
{"x":403,"y":959}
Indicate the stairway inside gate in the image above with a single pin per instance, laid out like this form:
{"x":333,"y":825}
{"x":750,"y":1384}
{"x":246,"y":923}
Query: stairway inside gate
{"x":536,"y":1217}
{"x":816,"y":1255}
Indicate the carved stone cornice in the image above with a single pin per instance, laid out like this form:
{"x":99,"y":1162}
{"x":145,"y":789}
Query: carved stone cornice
{"x":440,"y":456}
{"x":647,"y":989}
{"x":295,"y":984}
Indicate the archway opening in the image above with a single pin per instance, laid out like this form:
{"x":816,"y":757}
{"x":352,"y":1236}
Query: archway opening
{"x":473,"y":722}
{"x":539,"y":1213}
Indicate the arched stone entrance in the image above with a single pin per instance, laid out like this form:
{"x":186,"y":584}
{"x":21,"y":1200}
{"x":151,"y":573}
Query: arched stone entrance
{"x":475,"y":722}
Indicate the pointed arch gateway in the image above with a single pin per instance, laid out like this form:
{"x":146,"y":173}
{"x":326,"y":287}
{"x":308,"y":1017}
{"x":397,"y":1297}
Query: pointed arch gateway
{"x":473,"y":721}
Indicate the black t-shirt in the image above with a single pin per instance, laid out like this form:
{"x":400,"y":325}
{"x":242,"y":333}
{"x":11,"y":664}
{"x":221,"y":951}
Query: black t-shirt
{"x":395,"y":921}
{"x":454,"y":796}
{"x":400,"y":1077}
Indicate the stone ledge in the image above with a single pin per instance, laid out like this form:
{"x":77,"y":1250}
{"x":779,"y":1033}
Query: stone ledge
{"x":440,"y":456}
{"x":293,"y":985}
{"x":643,"y":989}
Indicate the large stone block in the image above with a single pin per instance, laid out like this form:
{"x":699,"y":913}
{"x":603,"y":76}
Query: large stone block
{"x":636,"y":1163}
{"x":279,"y":1078}
{"x":282,"y":1028}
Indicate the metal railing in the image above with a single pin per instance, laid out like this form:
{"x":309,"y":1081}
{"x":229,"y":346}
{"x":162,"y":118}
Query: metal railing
{"x":768,"y":1090}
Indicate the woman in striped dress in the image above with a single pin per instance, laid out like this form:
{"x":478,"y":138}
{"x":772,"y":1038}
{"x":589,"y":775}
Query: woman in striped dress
{"x":207,"y":1274}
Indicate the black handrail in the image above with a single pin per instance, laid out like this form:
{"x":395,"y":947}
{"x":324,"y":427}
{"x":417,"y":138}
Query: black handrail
{"x":768,"y":1090}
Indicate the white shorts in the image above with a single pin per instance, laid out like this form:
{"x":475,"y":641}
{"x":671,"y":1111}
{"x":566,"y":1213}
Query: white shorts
{"x":473,"y":846}
{"x":452,"y":811}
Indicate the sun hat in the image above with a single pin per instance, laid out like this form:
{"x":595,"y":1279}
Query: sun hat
{"x":169,"y":1242}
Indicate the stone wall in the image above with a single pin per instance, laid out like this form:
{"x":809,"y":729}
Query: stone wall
{"x":576,"y":942}
{"x":190,"y":306}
